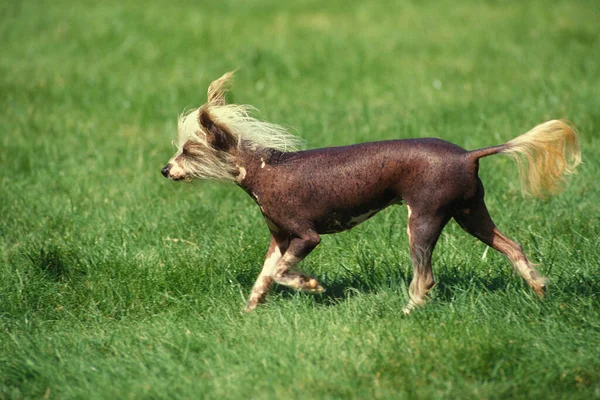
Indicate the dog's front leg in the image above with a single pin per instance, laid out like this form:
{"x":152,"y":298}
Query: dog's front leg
{"x":299,"y":248}
{"x":277,"y":247}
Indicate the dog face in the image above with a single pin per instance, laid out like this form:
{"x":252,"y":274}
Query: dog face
{"x":203,"y":148}
{"x":175,"y":168}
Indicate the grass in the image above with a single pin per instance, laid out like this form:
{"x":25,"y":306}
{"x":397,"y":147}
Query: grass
{"x":115,"y":283}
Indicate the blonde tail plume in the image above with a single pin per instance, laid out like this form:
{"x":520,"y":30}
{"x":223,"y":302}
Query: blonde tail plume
{"x":545,"y":155}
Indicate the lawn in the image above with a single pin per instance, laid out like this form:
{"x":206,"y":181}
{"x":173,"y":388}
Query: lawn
{"x":117,"y":283}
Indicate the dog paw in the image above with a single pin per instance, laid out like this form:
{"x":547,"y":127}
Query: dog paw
{"x":540,"y":290}
{"x":312,"y":286}
{"x":253,"y":302}
{"x":411,"y":306}
{"x":538,"y":284}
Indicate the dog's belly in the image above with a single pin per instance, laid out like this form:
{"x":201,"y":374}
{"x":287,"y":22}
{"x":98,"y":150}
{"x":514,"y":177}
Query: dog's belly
{"x":338,"y":222}
{"x":343,"y":220}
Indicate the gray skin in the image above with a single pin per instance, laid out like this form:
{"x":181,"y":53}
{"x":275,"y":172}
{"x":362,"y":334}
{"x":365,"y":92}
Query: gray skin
{"x":305,"y":194}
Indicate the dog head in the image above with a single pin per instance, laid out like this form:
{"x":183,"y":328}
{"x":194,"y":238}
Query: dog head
{"x":204,"y":145}
{"x":213,"y":137}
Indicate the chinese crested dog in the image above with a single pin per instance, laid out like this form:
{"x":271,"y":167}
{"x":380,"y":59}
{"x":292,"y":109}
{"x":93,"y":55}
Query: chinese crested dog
{"x":305,"y":194}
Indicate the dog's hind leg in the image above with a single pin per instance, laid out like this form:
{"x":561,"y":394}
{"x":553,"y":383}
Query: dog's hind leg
{"x":263,"y":283}
{"x":477,"y":221}
{"x":423,"y":230}
{"x":299,"y":248}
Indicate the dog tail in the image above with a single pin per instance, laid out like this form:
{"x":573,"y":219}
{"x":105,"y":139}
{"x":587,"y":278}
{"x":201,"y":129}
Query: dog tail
{"x":544,"y":155}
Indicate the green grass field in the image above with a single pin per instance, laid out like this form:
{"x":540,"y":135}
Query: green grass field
{"x":116,"y":283}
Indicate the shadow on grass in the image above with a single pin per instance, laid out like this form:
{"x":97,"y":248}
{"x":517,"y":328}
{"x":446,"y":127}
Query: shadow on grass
{"x":351,"y":283}
{"x":450,"y":283}
{"x":55,"y":263}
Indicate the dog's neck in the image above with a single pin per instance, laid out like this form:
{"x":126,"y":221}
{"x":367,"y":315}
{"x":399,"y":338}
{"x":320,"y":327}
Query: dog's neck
{"x":251,"y":165}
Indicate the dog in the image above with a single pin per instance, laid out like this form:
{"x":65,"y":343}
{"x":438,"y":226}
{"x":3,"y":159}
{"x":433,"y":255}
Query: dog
{"x":305,"y":194}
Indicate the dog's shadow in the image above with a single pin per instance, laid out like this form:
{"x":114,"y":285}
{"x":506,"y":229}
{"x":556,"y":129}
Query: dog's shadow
{"x":342,"y":286}
{"x":450,"y":284}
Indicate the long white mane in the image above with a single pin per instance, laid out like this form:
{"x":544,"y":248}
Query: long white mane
{"x":236,"y":118}
{"x":251,"y":134}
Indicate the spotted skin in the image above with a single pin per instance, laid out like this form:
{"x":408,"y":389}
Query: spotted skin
{"x":351,"y":185}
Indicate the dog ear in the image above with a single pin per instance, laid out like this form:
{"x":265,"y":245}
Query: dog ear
{"x":216,"y":135}
{"x":217,"y":89}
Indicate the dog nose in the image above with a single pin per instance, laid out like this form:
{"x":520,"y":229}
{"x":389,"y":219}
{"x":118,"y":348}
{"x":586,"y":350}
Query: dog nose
{"x":165,"y":170}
